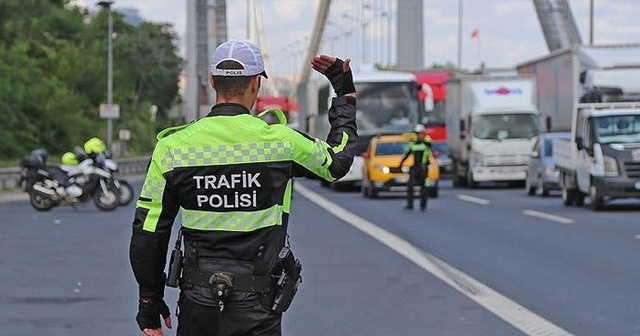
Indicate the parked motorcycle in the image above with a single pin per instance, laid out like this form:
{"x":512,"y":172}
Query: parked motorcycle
{"x":104,"y":161}
{"x":107,"y":163}
{"x":50,"y":186}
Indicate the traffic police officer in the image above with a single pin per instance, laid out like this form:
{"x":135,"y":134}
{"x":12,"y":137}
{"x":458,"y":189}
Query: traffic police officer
{"x":230,"y":176}
{"x":421,"y":150}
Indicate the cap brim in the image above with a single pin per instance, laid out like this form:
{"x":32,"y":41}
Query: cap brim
{"x":264,"y":74}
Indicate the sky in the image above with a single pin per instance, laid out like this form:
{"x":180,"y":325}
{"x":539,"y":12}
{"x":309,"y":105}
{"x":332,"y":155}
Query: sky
{"x":508,"y":30}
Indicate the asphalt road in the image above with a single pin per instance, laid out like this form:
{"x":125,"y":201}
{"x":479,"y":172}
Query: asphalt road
{"x":487,"y":261}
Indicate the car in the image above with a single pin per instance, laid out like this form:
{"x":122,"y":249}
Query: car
{"x":439,"y":149}
{"x":381,"y":171}
{"x":542,"y":175}
{"x":351,"y":179}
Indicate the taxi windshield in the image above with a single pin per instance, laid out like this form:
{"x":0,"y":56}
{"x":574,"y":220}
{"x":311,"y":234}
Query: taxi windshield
{"x":390,"y":148}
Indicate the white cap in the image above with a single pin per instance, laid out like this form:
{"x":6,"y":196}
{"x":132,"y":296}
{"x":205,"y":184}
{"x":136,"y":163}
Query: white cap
{"x":245,"y":53}
{"x":419,"y":128}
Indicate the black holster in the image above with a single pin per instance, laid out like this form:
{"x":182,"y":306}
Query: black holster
{"x":175,"y":263}
{"x":288,"y":282}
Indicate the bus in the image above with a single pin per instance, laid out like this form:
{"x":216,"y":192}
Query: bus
{"x":387,"y":104}
{"x":433,"y":95}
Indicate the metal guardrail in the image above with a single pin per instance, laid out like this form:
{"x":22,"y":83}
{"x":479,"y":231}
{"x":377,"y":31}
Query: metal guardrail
{"x":10,"y":177}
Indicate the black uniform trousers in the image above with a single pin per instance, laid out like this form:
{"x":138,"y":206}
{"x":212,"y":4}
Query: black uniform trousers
{"x":244,"y":314}
{"x":417,"y":177}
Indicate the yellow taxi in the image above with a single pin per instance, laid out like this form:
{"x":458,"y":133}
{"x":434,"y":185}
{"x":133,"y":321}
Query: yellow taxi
{"x":381,"y":171}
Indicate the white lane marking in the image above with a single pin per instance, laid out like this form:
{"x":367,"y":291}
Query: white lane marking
{"x":547,"y":216}
{"x":510,"y":311}
{"x":473,"y":199}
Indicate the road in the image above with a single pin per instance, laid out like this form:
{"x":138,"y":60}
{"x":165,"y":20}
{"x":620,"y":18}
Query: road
{"x":487,"y":261}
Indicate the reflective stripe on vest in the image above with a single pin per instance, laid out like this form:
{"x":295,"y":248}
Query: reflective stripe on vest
{"x":226,"y":154}
{"x":239,"y":221}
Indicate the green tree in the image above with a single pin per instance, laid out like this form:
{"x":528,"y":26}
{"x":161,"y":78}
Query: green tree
{"x":53,"y":76}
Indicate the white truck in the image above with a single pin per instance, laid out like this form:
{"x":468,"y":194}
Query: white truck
{"x":492,"y":122}
{"x":602,"y":158}
{"x":591,"y":74}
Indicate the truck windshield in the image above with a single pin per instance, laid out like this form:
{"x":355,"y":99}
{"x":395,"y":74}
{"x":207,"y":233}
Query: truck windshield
{"x":617,"y":129}
{"x":505,"y":126}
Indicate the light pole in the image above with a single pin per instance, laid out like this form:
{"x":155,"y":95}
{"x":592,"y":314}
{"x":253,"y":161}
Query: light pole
{"x":591,"y":22}
{"x":107,"y":5}
{"x":459,"y":34}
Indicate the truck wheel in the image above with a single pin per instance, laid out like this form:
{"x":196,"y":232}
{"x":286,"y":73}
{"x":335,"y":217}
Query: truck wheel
{"x":455,"y":178}
{"x":597,"y":201}
{"x":470,"y":182}
{"x":567,"y":196}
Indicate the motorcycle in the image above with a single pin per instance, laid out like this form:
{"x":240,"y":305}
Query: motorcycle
{"x":50,"y":186}
{"x":108,"y":164}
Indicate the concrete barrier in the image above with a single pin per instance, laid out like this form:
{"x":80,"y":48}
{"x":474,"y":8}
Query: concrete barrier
{"x":10,"y":177}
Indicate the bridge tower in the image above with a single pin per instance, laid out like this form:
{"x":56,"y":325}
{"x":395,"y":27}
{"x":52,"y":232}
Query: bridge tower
{"x":206,"y":29}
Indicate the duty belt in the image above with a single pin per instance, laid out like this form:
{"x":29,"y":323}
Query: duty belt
{"x":241,"y":282}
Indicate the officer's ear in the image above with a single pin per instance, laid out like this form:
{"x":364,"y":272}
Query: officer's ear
{"x":211,"y":82}
{"x":255,"y":84}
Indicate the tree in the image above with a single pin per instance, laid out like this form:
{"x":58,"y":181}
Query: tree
{"x":53,"y":73}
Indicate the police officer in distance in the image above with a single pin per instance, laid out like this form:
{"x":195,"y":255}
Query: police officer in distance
{"x":230,"y":176}
{"x":421,"y":150}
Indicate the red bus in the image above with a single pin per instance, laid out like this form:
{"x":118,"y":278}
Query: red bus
{"x":433,"y":96}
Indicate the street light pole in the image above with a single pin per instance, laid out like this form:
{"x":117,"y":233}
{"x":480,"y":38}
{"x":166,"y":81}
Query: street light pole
{"x":107,"y":5}
{"x":459,"y":34}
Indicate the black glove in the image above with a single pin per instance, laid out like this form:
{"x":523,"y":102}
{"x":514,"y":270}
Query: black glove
{"x":342,"y":82}
{"x":149,"y":311}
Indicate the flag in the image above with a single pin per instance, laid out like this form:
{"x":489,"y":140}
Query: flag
{"x":475,"y":33}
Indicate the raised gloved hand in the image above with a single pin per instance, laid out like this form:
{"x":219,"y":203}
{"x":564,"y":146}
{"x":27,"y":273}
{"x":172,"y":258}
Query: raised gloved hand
{"x":149,"y":312}
{"x":337,"y":71}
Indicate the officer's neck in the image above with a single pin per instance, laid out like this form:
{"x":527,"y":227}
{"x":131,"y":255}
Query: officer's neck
{"x":244,"y":101}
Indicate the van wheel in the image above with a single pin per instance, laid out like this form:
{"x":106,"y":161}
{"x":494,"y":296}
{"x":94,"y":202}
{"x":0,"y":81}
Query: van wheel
{"x":540,"y":190}
{"x":531,"y":190}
